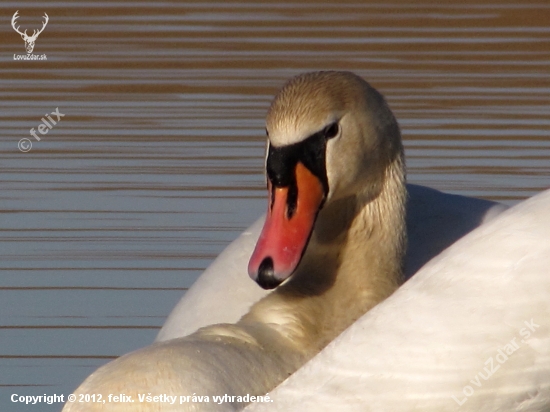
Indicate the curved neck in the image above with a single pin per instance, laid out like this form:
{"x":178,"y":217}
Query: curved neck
{"x":354,"y":260}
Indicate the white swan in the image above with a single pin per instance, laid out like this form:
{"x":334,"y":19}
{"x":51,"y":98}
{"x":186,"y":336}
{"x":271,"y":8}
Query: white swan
{"x":335,"y":163}
{"x":334,"y":234}
{"x":469,"y":332}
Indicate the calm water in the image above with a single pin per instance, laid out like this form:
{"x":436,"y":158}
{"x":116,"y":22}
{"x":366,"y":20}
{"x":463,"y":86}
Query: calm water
{"x":157,"y":163}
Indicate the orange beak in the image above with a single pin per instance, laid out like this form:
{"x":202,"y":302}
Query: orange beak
{"x":288,"y":226}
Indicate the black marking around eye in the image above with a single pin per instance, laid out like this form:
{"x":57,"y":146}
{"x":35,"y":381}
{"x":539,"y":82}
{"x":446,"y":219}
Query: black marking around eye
{"x":281,"y":163}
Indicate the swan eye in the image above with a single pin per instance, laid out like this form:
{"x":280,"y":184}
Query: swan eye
{"x":331,"y":130}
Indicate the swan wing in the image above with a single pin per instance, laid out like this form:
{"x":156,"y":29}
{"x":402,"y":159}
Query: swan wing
{"x":470,"y":332}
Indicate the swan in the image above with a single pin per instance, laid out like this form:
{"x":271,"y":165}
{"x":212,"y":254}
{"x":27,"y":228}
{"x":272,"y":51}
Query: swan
{"x":469,"y":332}
{"x":332,"y":246}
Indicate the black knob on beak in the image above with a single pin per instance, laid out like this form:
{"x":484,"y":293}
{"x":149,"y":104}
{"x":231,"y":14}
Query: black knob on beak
{"x":266,"y":275}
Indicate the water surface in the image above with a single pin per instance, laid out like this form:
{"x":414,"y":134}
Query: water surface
{"x":157,"y":163}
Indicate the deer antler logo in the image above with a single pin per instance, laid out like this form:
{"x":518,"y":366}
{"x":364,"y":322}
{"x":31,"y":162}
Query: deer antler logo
{"x":29,"y":40}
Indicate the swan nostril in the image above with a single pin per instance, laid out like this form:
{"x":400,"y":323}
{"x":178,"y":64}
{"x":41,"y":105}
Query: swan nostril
{"x":266,"y":275}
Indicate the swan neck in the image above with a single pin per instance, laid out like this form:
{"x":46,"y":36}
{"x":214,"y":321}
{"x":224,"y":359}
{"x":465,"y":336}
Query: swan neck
{"x":351,"y":264}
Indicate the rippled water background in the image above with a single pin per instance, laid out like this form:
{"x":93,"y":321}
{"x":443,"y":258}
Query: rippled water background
{"x":157,"y":163}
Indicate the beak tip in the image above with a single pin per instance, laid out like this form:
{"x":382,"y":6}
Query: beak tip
{"x":266,"y":277}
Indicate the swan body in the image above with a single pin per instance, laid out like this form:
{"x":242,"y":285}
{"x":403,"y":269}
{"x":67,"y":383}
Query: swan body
{"x":334,"y":239}
{"x":469,"y":332}
{"x":222,"y":294}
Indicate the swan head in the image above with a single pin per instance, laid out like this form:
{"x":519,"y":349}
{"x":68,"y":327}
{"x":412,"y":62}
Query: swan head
{"x":330,"y":136}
